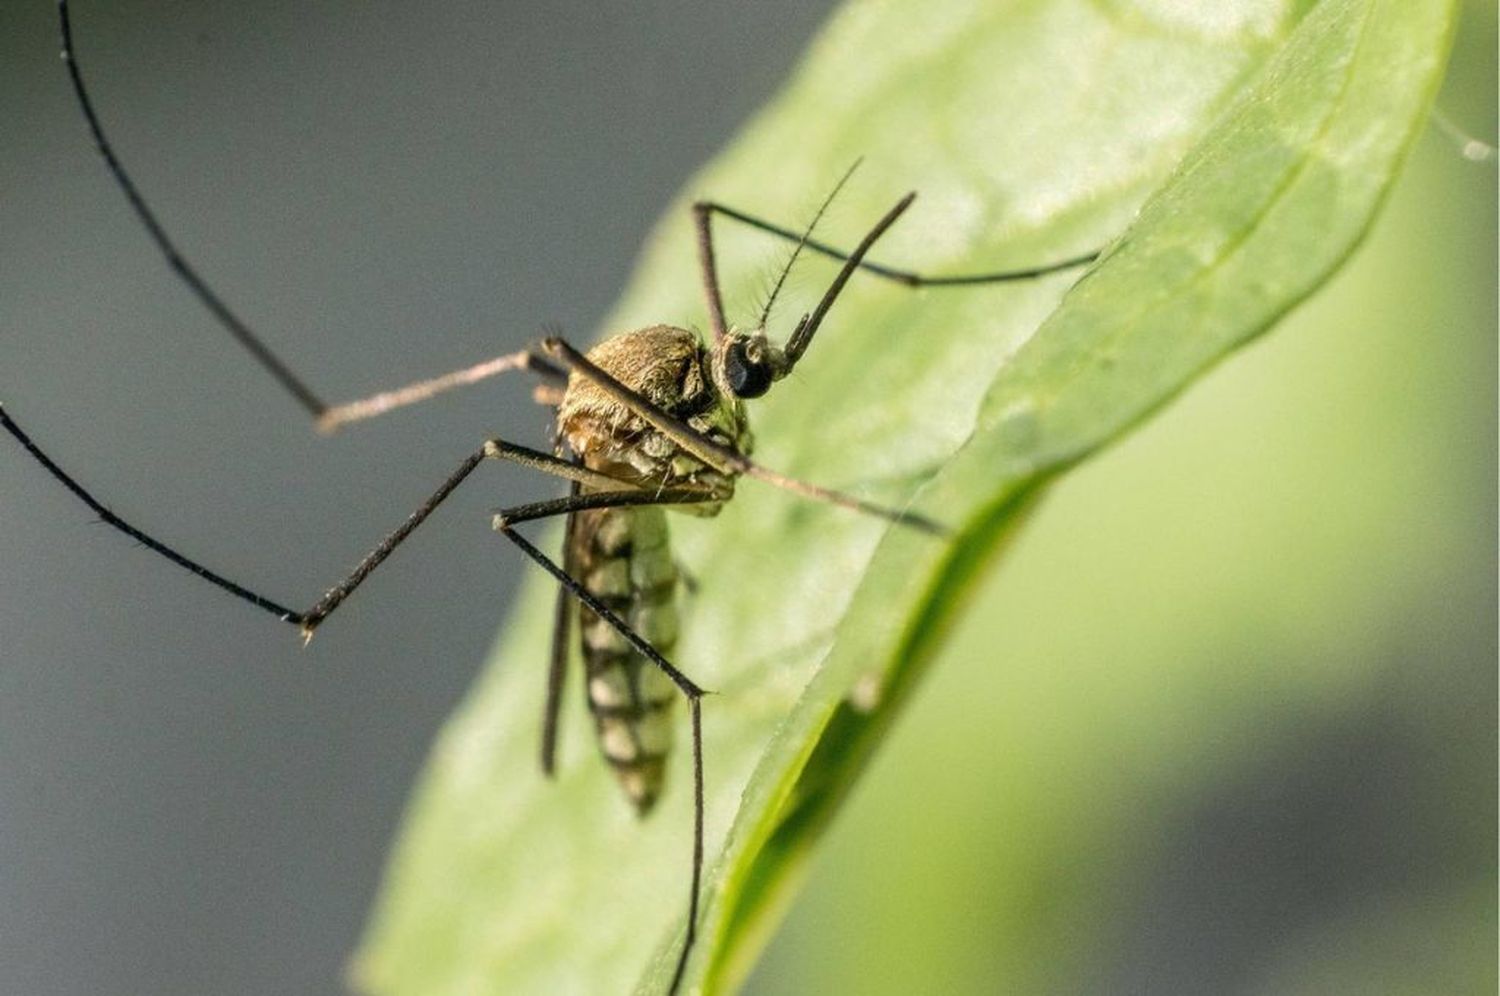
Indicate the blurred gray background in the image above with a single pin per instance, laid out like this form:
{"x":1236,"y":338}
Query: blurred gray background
{"x":190,"y":802}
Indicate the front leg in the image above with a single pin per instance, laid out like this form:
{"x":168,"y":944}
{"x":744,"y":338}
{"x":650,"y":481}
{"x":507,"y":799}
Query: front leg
{"x":308,"y":621}
{"x":723,"y":458}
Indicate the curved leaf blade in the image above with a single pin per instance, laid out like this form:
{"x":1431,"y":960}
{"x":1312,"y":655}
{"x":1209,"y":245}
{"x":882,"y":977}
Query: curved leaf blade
{"x":1022,"y":151}
{"x":1263,"y":211}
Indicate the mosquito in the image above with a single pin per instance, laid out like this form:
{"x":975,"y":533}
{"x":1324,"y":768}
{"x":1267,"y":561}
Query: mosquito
{"x":648,"y":421}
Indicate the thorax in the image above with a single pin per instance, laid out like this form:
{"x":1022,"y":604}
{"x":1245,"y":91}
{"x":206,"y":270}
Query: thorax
{"x":669,"y":368}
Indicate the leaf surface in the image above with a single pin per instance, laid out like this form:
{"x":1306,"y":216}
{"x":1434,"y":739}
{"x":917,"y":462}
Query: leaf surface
{"x":1231,"y":155}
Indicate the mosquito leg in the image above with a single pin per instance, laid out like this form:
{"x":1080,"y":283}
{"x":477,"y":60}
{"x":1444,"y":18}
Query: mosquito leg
{"x":332,"y":419}
{"x":328,"y":417}
{"x":334,"y":597}
{"x":709,"y":270}
{"x":719,"y":456}
{"x":695,"y":711}
{"x":507,"y":517}
{"x":910,"y":278}
{"x":577,"y":502}
{"x":803,"y":333}
{"x":499,"y":449}
{"x":205,"y":294}
{"x":111,"y":519}
{"x":689,"y":690}
{"x":492,"y":449}
{"x":562,"y":621}
{"x":703,"y":212}
{"x":306,"y":621}
{"x":309,"y":621}
{"x":557,"y":664}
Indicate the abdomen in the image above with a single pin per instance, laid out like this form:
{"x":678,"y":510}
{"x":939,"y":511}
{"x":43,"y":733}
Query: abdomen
{"x":623,"y":558}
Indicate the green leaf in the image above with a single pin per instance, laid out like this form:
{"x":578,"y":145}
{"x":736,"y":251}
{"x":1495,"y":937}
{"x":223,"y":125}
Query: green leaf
{"x":1250,"y":145}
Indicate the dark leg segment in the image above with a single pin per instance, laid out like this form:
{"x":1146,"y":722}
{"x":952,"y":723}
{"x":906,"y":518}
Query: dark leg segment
{"x":803,"y":334}
{"x":556,"y":466}
{"x":492,"y":449}
{"x":709,"y":270}
{"x":577,"y":590}
{"x":309,"y":621}
{"x":557,"y":664}
{"x":693,"y":693}
{"x":329,"y":417}
{"x":312,"y":618}
{"x":696,"y":711}
{"x":562,"y":621}
{"x":336,"y":595}
{"x":908,"y":277}
{"x":184,"y":270}
{"x":518,"y":514}
{"x":260,"y":601}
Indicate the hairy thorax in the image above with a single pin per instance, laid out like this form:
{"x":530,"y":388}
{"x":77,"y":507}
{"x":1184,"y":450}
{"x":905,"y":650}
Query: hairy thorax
{"x":622,"y":555}
{"x":668,"y":367}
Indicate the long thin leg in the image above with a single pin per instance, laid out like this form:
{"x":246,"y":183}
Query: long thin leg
{"x":306,"y":621}
{"x":339,"y":416}
{"x":518,"y":514}
{"x":910,"y":278}
{"x":690,"y":690}
{"x":709,"y":270}
{"x":309,"y":620}
{"x":334,"y":597}
{"x":556,"y":466}
{"x":703,"y":212}
{"x":328,"y":417}
{"x":562,"y":619}
{"x":723,"y":457}
{"x":184,"y":270}
{"x":803,"y":333}
{"x":557,"y":663}
{"x":696,"y":711}
{"x":492,"y":449}
{"x":259,"y":601}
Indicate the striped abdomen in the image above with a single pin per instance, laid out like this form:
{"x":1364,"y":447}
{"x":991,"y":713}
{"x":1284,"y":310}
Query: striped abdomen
{"x":622,"y":558}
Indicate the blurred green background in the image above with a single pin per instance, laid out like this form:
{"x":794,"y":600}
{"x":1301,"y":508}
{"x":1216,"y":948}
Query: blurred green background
{"x":1224,"y":719}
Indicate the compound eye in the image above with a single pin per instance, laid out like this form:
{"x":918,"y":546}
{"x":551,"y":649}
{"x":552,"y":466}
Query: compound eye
{"x":747,"y":378}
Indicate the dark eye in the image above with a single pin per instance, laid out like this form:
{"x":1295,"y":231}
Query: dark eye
{"x":747,"y":378}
